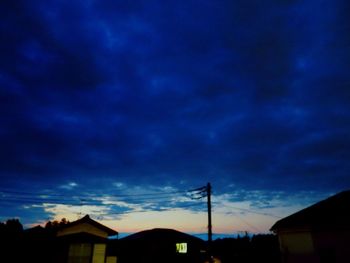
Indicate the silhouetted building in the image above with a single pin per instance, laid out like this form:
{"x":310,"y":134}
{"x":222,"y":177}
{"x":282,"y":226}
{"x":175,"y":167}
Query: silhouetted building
{"x":38,"y":245}
{"x":81,"y":241}
{"x":247,"y":249}
{"x":84,"y":241}
{"x":161,"y":245}
{"x":319,"y":233}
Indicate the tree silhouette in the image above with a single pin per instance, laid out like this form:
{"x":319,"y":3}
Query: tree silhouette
{"x":11,"y":240}
{"x":14,"y":226}
{"x":11,"y":228}
{"x":54,"y":225}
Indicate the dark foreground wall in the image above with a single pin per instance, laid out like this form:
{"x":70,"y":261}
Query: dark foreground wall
{"x":259,"y":248}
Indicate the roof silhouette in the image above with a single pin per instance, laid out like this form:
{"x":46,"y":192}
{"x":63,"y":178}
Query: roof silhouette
{"x":87,"y":219}
{"x":35,"y":229}
{"x":162,"y":234}
{"x":331,"y":213}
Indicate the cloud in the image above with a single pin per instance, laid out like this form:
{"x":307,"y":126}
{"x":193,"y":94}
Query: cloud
{"x":105,"y":94}
{"x":69,"y":186}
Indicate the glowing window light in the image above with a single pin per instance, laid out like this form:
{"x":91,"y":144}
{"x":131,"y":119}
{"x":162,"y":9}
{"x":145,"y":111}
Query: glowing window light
{"x":181,"y":248}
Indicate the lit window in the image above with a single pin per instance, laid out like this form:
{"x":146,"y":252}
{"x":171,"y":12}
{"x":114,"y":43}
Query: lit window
{"x":181,"y":248}
{"x":79,"y":253}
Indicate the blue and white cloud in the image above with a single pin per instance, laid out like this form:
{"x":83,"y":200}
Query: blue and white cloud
{"x":96,"y":96}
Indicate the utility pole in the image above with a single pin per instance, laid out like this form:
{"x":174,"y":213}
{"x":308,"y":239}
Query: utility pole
{"x":210,"y":234}
{"x":200,"y":193}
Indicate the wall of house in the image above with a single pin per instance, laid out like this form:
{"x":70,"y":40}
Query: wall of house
{"x":297,"y":243}
{"x":86,"y":253}
{"x":333,"y":245}
{"x":88,"y":228}
{"x":297,"y":247}
{"x":330,"y":246}
{"x":111,"y":259}
{"x":99,"y":253}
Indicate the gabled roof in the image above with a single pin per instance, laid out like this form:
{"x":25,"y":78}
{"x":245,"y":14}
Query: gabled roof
{"x":88,"y":220}
{"x":331,"y":213}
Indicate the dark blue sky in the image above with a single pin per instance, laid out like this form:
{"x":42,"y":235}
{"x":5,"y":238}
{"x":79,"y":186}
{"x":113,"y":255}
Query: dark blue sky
{"x":103,"y":97}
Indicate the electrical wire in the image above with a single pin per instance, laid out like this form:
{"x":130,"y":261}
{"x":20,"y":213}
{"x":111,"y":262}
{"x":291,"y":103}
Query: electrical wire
{"x":248,"y":224}
{"x":253,"y":211}
{"x":22,"y":197}
{"x":7,"y":191}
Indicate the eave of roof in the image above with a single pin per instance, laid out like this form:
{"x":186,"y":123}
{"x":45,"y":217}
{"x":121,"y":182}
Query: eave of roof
{"x":329,"y":213}
{"x":87,"y":219}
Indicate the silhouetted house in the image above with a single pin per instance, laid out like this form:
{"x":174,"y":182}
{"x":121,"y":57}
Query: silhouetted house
{"x":38,"y":245}
{"x":319,"y":233}
{"x":84,"y":241}
{"x":81,"y":241}
{"x":161,"y":245}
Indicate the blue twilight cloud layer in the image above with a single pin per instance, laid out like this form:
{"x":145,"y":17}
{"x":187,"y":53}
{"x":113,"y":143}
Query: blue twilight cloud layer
{"x":177,"y":93}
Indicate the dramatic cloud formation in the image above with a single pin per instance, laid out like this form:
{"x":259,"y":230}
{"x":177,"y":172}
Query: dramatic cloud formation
{"x":134,"y":97}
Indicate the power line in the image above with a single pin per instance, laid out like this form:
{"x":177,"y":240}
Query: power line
{"x":248,"y":224}
{"x":253,"y":211}
{"x":21,"y":197}
{"x":171,"y":198}
{"x":161,"y":209}
{"x":7,"y":191}
{"x":96,"y":200}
